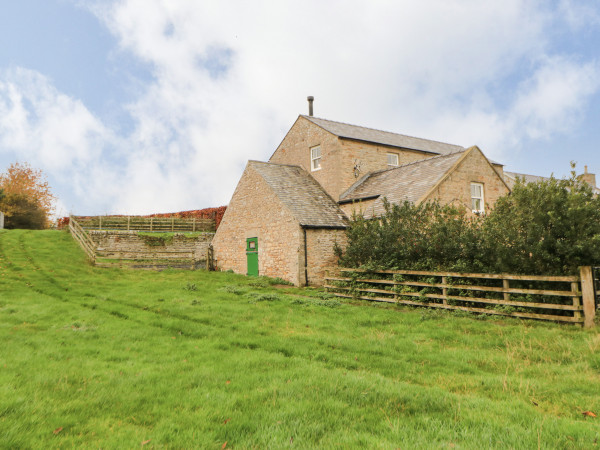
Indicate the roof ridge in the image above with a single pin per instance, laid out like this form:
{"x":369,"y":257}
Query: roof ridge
{"x":418,"y":161}
{"x":368,"y":175}
{"x":381,"y":131}
{"x":274,"y":164}
{"x":356,"y":184}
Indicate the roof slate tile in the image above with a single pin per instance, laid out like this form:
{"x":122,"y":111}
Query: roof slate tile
{"x":348,"y":131}
{"x":409,"y":182}
{"x":301,"y":194}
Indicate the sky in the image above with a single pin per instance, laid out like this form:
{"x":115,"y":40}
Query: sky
{"x":143,"y":106}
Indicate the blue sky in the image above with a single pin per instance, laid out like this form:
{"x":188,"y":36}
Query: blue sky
{"x":139,"y":106}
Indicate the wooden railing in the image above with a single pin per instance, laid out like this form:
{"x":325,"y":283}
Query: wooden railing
{"x":557,"y":298}
{"x":149,"y":224}
{"x":80,"y":235}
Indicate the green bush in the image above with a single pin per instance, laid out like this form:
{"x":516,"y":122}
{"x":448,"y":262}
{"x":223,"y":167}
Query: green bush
{"x":420,"y":237}
{"x":22,"y":211}
{"x":549,"y":227}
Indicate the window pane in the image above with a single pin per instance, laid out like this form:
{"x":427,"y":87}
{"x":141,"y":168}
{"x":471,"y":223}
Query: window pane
{"x":476,"y":190}
{"x":392,"y":159}
{"x":476,"y":204}
{"x":315,"y":152}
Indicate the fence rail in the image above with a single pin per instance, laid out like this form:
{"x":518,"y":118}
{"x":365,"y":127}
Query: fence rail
{"x":149,"y":224}
{"x":557,"y":298}
{"x":80,"y":235}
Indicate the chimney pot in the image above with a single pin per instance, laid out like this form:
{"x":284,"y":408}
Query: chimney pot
{"x":310,"y":99}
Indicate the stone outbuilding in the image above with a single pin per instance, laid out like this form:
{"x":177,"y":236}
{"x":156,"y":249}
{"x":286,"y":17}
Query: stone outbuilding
{"x":279,"y":223}
{"x":286,"y":215}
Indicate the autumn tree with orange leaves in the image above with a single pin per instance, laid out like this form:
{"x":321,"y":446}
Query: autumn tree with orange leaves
{"x":27,"y":200}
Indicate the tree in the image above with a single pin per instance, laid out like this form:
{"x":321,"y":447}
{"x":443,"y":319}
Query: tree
{"x":24,"y":212}
{"x":26,"y":192}
{"x":548,"y":227}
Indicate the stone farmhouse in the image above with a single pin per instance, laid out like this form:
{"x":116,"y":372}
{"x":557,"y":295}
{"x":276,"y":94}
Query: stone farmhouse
{"x":286,"y":214}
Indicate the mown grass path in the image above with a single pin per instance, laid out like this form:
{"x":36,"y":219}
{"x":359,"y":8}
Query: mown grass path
{"x":117,"y":358}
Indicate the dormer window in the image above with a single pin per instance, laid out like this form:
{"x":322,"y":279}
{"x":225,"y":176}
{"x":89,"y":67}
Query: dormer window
{"x":315,"y":158}
{"x":477,"y":198}
{"x":392,"y":159}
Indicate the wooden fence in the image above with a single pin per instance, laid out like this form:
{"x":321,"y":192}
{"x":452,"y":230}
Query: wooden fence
{"x":148,"y":224}
{"x":84,"y":240}
{"x":556,"y":298}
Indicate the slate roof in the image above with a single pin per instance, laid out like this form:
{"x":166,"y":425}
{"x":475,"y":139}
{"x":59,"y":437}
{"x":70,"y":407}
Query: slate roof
{"x":301,"y":194}
{"x":409,"y":182}
{"x":511,"y":179}
{"x":371,"y":135}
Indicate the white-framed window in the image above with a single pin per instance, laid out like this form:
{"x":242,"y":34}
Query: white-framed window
{"x":315,"y":158}
{"x":392,"y":159}
{"x":477,"y":204}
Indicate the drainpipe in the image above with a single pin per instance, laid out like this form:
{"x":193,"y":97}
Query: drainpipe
{"x":305,"y":259}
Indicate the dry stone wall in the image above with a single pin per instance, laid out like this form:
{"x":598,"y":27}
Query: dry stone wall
{"x":129,"y":245}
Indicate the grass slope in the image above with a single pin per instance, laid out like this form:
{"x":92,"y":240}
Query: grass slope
{"x":115,"y":358}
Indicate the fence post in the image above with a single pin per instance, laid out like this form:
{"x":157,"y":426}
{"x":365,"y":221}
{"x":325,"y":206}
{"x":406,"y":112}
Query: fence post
{"x":172,"y":224}
{"x":587,"y":295}
{"x":128,"y":222}
{"x":100,"y":223}
{"x":194,"y":224}
{"x":444,"y":291}
{"x":150,"y":223}
{"x":506,"y":287}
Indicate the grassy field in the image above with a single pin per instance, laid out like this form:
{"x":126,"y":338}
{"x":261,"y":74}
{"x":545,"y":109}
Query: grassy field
{"x":113,"y":358}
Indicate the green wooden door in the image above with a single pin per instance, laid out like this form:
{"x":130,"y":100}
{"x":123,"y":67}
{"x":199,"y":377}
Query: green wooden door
{"x":252,"y":256}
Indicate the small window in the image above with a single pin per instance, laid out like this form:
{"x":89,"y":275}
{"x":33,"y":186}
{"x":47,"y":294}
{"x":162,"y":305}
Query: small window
{"x":315,"y":158}
{"x":392,"y":160}
{"x":477,"y":197}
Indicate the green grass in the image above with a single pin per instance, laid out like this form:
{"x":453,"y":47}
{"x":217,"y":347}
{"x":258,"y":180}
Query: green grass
{"x":109,"y":358}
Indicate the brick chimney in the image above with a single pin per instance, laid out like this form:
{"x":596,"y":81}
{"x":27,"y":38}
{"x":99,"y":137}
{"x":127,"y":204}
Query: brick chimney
{"x":588,"y":178}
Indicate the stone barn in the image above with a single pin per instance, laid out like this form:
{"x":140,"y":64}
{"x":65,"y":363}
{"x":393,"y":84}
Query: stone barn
{"x":286,"y":214}
{"x":279,"y":223}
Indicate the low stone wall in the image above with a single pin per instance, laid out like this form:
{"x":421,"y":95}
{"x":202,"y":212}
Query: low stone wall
{"x":129,"y":245}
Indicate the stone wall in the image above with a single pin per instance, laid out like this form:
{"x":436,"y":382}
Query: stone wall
{"x":128,"y":245}
{"x":474,"y":168}
{"x":255,"y":211}
{"x":320,"y":244}
{"x":295,"y":150}
{"x":338,"y":156}
{"x":371,"y":158}
{"x":362,"y":207}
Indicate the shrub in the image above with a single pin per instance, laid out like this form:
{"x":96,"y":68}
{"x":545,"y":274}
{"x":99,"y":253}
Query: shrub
{"x":421,"y":237}
{"x":548,"y":227}
{"x":22,"y":212}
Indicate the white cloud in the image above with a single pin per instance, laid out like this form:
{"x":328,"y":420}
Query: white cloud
{"x":553,"y":98}
{"x":578,"y":14}
{"x":45,"y":125}
{"x":229,"y":78}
